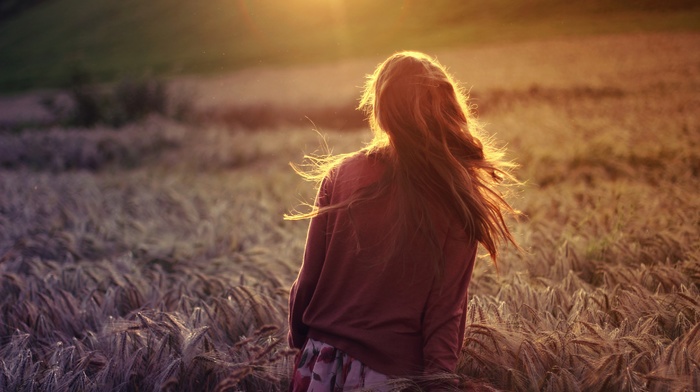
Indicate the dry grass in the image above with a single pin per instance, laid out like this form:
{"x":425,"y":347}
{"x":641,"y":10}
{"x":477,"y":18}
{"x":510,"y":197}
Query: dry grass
{"x":59,"y":149}
{"x":172,"y":273}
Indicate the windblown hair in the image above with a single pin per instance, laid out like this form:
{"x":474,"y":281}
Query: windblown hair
{"x":423,"y":127}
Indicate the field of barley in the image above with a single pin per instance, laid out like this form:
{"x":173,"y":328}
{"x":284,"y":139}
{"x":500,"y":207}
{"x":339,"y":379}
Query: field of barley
{"x":155,"y":256}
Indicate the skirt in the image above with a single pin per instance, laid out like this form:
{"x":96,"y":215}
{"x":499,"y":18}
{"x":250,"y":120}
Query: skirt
{"x":321,"y":367}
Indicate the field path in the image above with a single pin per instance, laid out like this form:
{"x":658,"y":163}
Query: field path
{"x":554,"y":63}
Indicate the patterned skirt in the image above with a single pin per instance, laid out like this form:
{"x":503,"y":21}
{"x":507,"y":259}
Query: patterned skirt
{"x":321,"y":367}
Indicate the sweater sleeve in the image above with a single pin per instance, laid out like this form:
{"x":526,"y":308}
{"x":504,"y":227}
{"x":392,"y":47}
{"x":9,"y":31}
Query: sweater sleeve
{"x":444,"y":315}
{"x":314,"y":256}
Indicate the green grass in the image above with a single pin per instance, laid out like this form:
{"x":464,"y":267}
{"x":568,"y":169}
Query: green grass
{"x":112,"y":39}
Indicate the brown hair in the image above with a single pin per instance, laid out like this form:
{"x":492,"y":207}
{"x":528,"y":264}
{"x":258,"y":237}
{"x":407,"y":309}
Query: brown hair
{"x":423,"y":127}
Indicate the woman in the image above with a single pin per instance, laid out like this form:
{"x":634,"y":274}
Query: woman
{"x":382,"y":291}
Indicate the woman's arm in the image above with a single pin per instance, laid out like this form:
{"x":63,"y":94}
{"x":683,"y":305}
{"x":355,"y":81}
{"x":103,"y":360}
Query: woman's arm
{"x":444,"y":315}
{"x":314,"y":256}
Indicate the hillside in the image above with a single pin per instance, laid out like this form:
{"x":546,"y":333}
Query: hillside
{"x":46,"y":44}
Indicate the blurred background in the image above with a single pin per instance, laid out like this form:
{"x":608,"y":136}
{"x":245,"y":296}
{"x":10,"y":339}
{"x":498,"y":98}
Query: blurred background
{"x":43,"y":43}
{"x":240,"y":61}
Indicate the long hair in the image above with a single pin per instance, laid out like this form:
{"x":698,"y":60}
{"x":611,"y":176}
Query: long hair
{"x":423,"y":128}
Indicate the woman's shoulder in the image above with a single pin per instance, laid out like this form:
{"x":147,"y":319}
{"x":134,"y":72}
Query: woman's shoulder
{"x":363,"y":162}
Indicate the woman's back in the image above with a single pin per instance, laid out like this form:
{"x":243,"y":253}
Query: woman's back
{"x":391,"y":309}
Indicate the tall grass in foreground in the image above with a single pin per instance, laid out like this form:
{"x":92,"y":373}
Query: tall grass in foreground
{"x":172,"y":273}
{"x":607,"y":297}
{"x":172,"y":276}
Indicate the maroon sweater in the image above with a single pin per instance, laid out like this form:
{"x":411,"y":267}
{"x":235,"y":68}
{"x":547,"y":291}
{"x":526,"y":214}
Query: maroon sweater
{"x":397,"y":316}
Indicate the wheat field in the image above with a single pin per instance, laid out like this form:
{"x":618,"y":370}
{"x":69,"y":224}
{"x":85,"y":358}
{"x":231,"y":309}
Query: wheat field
{"x":155,"y":257}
